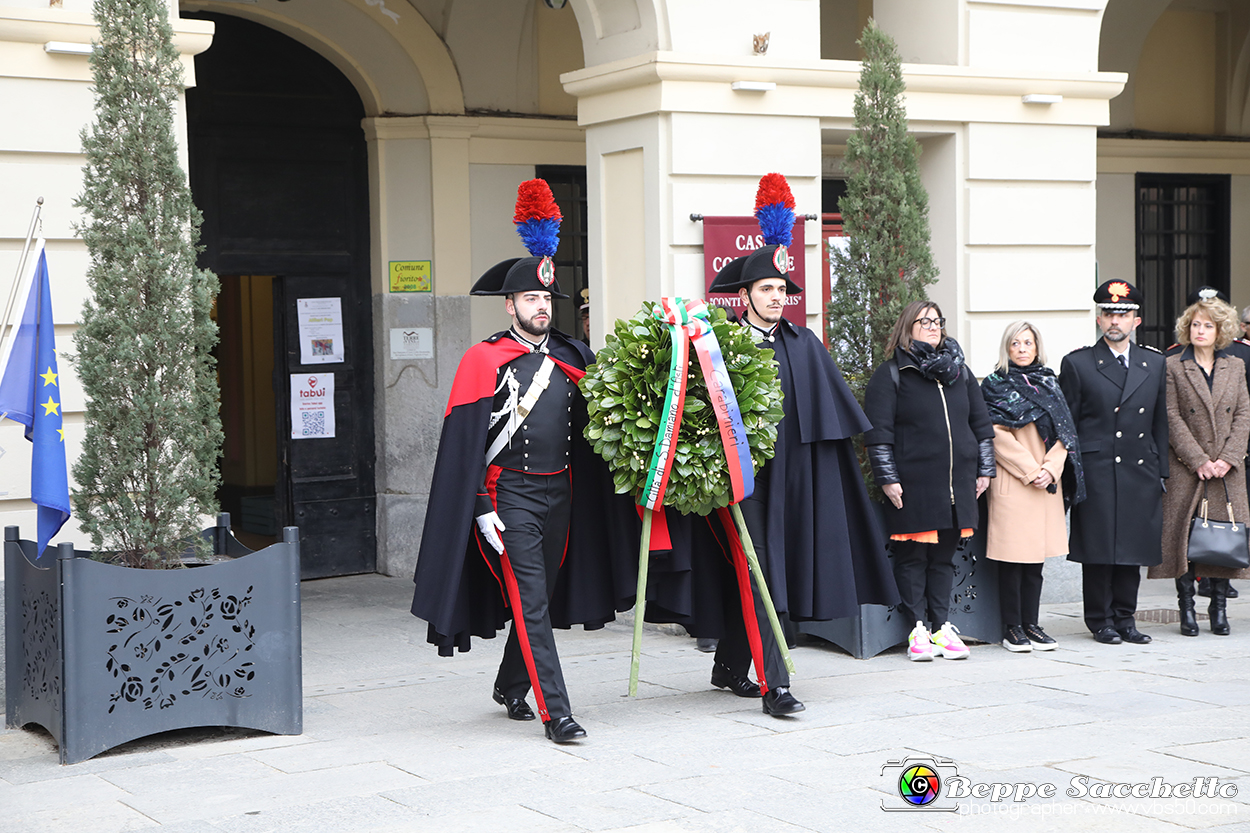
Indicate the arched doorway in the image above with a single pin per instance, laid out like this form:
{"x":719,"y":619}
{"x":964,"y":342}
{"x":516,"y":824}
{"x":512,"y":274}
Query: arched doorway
{"x":278,"y":166}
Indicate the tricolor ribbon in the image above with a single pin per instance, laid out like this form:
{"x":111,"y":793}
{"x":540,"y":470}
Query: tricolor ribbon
{"x":689,"y":326}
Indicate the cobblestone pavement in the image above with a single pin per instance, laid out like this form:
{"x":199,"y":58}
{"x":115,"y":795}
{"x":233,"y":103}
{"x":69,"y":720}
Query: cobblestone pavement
{"x":399,"y":739}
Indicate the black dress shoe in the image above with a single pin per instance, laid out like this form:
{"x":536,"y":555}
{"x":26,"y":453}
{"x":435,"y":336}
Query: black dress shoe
{"x":564,"y":730}
{"x":779,"y":701}
{"x":1230,"y":592}
{"x":1132,"y":634}
{"x":722,"y":677}
{"x":1107,"y":636}
{"x":518,"y":709}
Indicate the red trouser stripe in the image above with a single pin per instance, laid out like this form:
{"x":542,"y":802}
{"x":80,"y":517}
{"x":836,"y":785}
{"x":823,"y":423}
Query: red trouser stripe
{"x":738,"y":558}
{"x":518,"y":622}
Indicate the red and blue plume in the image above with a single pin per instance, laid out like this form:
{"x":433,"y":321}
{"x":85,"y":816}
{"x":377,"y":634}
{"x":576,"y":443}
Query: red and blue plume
{"x":537,"y":218}
{"x":774,"y":210}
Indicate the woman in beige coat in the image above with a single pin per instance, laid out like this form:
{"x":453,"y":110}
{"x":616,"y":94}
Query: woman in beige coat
{"x":1033,"y":437}
{"x":1208,"y":422}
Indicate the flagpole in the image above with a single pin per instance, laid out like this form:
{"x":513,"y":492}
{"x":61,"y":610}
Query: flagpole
{"x":13,"y":290}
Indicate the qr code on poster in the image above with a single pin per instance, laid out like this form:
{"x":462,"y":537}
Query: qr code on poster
{"x":313,"y":423}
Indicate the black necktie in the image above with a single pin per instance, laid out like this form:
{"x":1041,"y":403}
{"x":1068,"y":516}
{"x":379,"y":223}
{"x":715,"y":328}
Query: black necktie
{"x":1124,"y":360}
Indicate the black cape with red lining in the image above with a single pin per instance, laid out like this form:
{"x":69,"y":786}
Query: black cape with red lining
{"x":826,"y":552}
{"x":456,"y":591}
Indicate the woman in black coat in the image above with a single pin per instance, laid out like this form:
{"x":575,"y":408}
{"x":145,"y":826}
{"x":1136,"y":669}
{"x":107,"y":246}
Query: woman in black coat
{"x":932,"y":454}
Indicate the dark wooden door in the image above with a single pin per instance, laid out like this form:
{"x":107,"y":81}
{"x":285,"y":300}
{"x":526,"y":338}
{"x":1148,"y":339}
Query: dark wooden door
{"x":327,"y":484}
{"x":279,"y":170}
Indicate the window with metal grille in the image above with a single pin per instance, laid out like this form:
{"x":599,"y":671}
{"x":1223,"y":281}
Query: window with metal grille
{"x":1182,"y":244}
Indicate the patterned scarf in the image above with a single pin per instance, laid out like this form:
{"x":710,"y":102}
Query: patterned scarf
{"x":941,"y":364}
{"x":1025,"y":395}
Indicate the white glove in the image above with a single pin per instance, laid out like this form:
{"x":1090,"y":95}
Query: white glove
{"x":490,"y":526}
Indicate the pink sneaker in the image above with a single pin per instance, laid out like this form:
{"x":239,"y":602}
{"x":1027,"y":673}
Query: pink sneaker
{"x":946,"y":643}
{"x":919,"y":647}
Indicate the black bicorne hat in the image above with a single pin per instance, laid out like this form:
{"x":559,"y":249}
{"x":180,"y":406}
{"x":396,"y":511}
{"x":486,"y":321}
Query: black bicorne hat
{"x":764,"y":262}
{"x":519,"y":274}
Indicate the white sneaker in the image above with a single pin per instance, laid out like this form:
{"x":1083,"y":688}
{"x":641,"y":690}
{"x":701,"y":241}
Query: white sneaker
{"x":946,"y":643}
{"x":919,"y":646}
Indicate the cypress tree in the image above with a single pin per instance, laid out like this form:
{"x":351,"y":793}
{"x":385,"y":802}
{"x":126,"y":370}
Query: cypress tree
{"x":148,"y":467}
{"x":885,"y":216}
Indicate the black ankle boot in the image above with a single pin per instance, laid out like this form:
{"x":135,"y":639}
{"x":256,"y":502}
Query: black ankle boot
{"x":1219,"y":616}
{"x":1185,"y":599}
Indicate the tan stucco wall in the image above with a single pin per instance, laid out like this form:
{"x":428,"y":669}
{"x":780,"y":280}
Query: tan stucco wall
{"x":1176,"y":74}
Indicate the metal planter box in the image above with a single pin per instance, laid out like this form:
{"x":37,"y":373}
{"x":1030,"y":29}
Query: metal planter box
{"x":99,"y":654}
{"x":974,"y":606}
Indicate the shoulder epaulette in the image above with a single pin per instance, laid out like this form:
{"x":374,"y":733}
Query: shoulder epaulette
{"x":1151,"y":348}
{"x":1079,"y":349}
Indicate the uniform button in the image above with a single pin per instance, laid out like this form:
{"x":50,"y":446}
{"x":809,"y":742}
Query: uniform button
{"x":1117,"y":459}
{"x":1141,"y":410}
{"x":1139,"y":436}
{"x":527,"y":442}
{"x":1117,"y":409}
{"x":1139,"y":462}
{"x":569,"y":437}
{"x":525,"y":428}
{"x":1118,"y":434}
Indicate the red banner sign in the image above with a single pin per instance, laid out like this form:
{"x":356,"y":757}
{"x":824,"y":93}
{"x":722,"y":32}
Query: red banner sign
{"x":726,"y":238}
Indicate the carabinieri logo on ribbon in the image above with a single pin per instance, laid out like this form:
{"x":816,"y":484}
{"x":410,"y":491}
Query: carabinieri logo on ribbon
{"x":688,"y":324}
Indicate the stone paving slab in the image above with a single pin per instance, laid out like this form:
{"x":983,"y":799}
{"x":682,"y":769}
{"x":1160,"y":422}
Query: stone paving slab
{"x":398,"y":739}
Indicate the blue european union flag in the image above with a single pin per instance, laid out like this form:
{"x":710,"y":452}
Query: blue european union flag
{"x":31,"y":394}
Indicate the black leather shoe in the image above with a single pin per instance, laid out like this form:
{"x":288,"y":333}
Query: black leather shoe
{"x":722,"y":677}
{"x":518,"y":709}
{"x":564,"y":730}
{"x":1107,"y":636}
{"x":1132,"y":634}
{"x":779,"y":701}
{"x":1230,"y":592}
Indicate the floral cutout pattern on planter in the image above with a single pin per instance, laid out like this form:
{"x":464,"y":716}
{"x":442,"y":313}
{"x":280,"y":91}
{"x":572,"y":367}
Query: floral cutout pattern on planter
{"x":42,"y":649}
{"x":196,"y":646}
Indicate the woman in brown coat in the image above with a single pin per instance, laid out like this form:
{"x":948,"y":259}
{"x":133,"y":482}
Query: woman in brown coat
{"x":1208,"y":422}
{"x":1034,"y":435}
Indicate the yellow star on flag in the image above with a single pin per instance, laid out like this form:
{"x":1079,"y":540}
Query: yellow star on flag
{"x":61,"y":431}
{"x":49,"y":378}
{"x":50,"y":406}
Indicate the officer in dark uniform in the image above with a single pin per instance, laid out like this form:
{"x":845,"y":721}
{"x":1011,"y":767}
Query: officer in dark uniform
{"x":523,"y":502}
{"x":523,"y":520}
{"x":1117,"y":393}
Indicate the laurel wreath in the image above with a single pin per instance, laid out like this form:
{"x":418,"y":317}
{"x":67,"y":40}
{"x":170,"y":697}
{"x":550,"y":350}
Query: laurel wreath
{"x":624,"y":393}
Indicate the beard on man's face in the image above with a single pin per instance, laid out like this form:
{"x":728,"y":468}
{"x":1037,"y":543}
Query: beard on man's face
{"x":533,"y":327}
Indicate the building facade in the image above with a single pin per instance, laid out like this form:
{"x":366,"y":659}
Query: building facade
{"x":338,"y":148}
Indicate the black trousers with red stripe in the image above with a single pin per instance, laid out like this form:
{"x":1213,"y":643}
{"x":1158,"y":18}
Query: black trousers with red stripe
{"x":535,"y":510}
{"x":734,"y":649}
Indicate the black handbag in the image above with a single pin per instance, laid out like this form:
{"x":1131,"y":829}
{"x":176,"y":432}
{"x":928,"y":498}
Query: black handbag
{"x":1218,"y":543}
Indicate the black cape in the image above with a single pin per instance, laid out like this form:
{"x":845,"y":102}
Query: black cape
{"x":456,"y":591}
{"x":826,"y":553}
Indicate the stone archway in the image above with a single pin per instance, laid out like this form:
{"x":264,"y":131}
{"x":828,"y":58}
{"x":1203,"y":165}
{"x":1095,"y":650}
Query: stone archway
{"x":394,"y":59}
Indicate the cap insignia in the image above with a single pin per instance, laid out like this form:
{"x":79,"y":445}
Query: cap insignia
{"x":781,"y":259}
{"x":546,"y":271}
